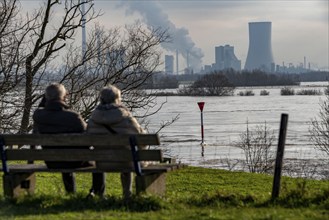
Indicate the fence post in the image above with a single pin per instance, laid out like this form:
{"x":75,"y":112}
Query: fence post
{"x":279,"y":156}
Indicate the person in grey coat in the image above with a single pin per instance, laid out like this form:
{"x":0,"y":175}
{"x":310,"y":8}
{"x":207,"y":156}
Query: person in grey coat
{"x":56,"y":117}
{"x":111,"y":116}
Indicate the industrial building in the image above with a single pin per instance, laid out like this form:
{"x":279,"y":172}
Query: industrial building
{"x":226,"y":59}
{"x":169,"y":64}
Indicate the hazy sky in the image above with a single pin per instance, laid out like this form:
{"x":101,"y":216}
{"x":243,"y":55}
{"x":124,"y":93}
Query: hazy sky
{"x":299,"y":28}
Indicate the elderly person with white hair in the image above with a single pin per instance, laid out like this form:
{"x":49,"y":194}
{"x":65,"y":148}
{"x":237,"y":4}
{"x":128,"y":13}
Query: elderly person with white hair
{"x":111,"y":116}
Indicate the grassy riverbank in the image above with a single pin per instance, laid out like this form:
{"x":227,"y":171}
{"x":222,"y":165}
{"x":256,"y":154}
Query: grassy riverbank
{"x":192,"y":193}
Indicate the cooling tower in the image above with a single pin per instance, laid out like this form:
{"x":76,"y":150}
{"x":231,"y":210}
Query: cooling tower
{"x":260,"y":48}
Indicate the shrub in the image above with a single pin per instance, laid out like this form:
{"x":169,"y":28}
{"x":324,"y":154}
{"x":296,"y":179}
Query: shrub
{"x":246,"y":93}
{"x":256,"y":145}
{"x":164,"y":94}
{"x":264,"y":92}
{"x":319,"y":128}
{"x":326,"y":90}
{"x":213,"y":84}
{"x":287,"y":91}
{"x":309,"y":92}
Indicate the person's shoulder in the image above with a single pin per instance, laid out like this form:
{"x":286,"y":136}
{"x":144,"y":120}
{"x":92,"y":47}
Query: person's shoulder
{"x":109,"y":108}
{"x":72,"y":112}
{"x":38,"y":111}
{"x":74,"y":117}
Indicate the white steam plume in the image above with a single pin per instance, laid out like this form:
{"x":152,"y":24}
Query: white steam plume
{"x":154,"y":16}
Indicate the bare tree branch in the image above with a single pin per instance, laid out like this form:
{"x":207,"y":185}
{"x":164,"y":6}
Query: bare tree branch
{"x":126,"y":57}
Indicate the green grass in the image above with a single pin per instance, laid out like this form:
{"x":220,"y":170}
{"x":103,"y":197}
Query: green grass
{"x":192,"y":193}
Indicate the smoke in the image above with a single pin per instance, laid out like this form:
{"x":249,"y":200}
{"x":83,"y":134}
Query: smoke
{"x":181,"y":41}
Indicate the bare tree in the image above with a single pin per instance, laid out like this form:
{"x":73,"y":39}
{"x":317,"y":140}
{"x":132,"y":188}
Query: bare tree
{"x":125,"y":57}
{"x":46,"y":40}
{"x":11,"y":61}
{"x":256,"y":145}
{"x":319,"y":128}
{"x":212,"y":84}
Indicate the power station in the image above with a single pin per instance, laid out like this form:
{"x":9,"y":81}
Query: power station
{"x":260,"y":47}
{"x":259,"y":55}
{"x":226,"y":59}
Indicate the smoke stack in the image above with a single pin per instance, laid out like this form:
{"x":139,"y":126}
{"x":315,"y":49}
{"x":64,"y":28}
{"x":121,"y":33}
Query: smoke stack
{"x":84,"y":44}
{"x":187,"y":60}
{"x":177,"y":70}
{"x":260,"y":48}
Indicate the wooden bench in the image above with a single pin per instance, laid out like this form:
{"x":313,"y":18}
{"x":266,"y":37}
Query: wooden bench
{"x":19,"y":177}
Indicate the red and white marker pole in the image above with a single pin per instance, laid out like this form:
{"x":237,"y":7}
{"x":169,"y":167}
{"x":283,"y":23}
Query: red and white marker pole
{"x":201,"y":105}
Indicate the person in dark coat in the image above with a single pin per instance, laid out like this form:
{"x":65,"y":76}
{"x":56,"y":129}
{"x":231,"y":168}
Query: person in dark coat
{"x":56,"y":117}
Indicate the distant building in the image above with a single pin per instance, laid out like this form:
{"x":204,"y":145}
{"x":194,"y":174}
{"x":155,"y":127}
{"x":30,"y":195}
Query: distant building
{"x":272,"y":67}
{"x":226,"y":59}
{"x":260,"y":47}
{"x":188,"y":71}
{"x":169,"y":64}
{"x":207,"y":68}
{"x":291,"y":68}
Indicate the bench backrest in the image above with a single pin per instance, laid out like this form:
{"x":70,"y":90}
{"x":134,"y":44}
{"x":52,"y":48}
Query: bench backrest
{"x":97,"y":147}
{"x":106,"y":140}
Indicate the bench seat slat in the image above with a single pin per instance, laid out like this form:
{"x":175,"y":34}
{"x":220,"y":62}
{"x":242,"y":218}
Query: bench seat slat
{"x":78,"y":139}
{"x":26,"y":168}
{"x":122,"y":155}
{"x":167,"y":167}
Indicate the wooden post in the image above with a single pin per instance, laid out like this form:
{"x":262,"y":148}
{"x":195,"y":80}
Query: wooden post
{"x":17,"y":184}
{"x":279,"y":156}
{"x":154,"y":183}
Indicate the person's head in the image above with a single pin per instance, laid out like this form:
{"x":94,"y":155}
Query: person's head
{"x":110,"y":94}
{"x":55,"y":92}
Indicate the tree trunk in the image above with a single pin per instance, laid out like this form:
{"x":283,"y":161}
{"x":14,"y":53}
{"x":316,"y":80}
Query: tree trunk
{"x":25,"y":122}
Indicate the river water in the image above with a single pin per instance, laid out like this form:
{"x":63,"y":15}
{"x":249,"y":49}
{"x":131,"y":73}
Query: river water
{"x":225,"y":119}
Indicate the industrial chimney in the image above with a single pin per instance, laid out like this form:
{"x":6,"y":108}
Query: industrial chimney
{"x":260,"y":48}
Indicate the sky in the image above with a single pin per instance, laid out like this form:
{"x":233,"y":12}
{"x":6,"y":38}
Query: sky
{"x":300,"y":28}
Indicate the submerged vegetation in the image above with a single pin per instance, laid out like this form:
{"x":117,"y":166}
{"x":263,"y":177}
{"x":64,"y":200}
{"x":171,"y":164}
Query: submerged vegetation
{"x":246,"y":93}
{"x":212,"y":84}
{"x":287,"y":91}
{"x":309,"y":92}
{"x":264,"y":92}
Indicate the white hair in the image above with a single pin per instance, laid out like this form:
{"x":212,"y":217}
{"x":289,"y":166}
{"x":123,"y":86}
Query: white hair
{"x":110,"y":94}
{"x":55,"y":91}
